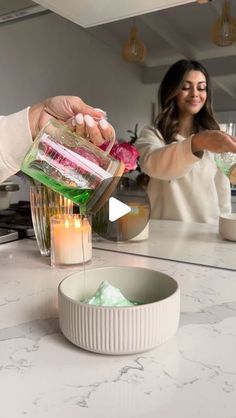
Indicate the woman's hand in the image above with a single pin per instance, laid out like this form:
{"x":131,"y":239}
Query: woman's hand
{"x":215,"y":141}
{"x":84,"y":119}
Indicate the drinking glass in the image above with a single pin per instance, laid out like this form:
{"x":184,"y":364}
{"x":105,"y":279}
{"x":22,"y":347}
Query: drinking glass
{"x":44,"y":204}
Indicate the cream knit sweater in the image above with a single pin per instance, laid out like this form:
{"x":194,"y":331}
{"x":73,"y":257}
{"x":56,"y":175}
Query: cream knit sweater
{"x":182,"y":186}
{"x":15,"y":140}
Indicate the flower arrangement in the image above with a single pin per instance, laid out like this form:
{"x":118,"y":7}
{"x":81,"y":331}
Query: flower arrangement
{"x":126,"y":152}
{"x":142,"y":179}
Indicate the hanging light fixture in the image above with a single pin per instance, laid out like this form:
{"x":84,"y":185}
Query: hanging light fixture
{"x":134,"y":50}
{"x":224,"y":29}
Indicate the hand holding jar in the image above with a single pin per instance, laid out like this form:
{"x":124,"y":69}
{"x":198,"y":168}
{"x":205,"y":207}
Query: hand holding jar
{"x":85,"y":120}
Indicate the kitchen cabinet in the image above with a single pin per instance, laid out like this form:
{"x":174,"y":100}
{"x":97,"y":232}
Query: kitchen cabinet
{"x":91,"y":13}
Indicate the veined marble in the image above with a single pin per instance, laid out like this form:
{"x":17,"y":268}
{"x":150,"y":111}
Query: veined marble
{"x":196,"y":243}
{"x":43,"y":375}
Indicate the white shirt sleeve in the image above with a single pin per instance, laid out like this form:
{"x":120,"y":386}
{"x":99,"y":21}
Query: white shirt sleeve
{"x":223,"y":191}
{"x":15,"y":140}
{"x":161,"y":161}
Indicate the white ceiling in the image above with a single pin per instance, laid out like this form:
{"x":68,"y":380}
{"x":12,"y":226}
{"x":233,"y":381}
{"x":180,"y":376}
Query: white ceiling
{"x":172,"y":33}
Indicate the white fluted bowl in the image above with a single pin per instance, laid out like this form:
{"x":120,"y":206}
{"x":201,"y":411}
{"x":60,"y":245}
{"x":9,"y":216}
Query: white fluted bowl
{"x":119,"y":330}
{"x":227,"y":226}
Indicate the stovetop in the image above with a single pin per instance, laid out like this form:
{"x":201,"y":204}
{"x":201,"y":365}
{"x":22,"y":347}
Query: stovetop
{"x":16,"y":219}
{"x":7,"y":235}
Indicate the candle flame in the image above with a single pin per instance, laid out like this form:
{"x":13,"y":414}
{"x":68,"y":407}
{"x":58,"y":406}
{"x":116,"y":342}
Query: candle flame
{"x":77,"y":223}
{"x":67,"y":223}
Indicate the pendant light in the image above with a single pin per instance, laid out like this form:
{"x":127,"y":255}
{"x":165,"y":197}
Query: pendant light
{"x":224,"y":29}
{"x":134,"y":50}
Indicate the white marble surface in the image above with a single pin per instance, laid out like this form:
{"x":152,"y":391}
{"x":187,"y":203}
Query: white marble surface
{"x":43,"y":375}
{"x":196,"y":243}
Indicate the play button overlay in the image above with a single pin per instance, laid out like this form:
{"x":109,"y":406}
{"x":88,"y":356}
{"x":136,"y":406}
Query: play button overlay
{"x":125,"y":214}
{"x":117,"y":209}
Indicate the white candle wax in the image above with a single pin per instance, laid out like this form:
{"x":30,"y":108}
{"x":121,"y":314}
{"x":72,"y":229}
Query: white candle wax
{"x":71,"y":240}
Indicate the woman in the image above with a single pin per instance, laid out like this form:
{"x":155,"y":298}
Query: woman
{"x":177,"y":152}
{"x":19,"y":129}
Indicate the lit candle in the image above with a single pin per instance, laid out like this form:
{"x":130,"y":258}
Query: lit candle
{"x":71,"y":241}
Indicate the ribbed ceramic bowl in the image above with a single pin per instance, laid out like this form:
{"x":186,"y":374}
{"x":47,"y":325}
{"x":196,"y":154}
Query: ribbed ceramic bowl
{"x":227,"y":226}
{"x":123,"y":330}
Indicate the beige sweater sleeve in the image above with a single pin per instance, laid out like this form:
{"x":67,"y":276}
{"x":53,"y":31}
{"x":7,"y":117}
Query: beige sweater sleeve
{"x":15,"y":140}
{"x":161,"y":161}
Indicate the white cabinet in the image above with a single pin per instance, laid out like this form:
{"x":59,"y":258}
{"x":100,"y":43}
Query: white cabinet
{"x":91,"y":13}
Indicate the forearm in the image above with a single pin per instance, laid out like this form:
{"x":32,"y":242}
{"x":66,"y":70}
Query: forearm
{"x":166,"y":162}
{"x":198,"y":142}
{"x":214,"y":141}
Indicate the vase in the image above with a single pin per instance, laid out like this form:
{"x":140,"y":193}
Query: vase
{"x":44,"y":204}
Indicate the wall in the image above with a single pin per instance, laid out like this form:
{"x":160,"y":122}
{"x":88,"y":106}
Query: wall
{"x":226,"y":117}
{"x":49,"y":55}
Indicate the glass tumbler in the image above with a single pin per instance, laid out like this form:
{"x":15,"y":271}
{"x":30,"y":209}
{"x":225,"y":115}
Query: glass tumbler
{"x":226,"y":162}
{"x":44,"y":204}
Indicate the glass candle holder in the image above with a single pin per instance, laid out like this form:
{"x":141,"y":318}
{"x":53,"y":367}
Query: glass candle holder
{"x":44,"y":204}
{"x":71,"y":240}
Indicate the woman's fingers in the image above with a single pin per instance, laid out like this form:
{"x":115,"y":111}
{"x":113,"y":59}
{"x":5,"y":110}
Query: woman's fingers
{"x":93,"y":131}
{"x":66,"y":107}
{"x":107,"y":130}
{"x":80,"y":128}
{"x":77,"y":105}
{"x":97,"y":132}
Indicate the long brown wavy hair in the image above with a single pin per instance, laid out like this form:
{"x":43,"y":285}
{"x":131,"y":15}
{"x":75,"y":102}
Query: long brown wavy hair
{"x":167,"y":121}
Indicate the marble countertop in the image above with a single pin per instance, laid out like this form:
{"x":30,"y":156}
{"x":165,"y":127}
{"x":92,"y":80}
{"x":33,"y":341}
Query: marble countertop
{"x":43,"y":375}
{"x":196,"y":243}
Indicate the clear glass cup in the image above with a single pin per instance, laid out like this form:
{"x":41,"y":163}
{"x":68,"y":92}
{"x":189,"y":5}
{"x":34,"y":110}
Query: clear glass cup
{"x":44,"y":204}
{"x":71,"y":240}
{"x":226,"y":162}
{"x":72,"y":166}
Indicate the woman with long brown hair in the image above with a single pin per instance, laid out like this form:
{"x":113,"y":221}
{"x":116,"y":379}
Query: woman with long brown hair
{"x":177,"y":152}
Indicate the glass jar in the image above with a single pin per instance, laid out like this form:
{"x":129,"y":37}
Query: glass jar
{"x":72,"y":166}
{"x":226,"y":162}
{"x":44,"y":204}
